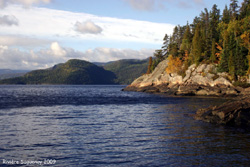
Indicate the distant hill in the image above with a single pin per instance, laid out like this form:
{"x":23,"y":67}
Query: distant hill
{"x":72,"y":72}
{"x":7,"y":73}
{"x":127,"y":70}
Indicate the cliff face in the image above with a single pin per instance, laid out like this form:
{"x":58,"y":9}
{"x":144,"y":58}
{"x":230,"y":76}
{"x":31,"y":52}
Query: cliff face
{"x":200,"y":80}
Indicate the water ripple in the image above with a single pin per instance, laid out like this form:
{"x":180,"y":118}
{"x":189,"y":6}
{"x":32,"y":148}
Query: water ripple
{"x":123,"y":129}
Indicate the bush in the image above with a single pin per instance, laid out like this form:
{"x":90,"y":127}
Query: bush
{"x":174,"y":65}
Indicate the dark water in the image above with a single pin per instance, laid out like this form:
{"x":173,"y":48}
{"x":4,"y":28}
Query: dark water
{"x":103,"y":126}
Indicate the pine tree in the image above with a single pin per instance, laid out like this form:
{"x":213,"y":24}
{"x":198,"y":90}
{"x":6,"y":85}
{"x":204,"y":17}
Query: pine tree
{"x":226,"y":15}
{"x":234,"y":9}
{"x":245,"y":9}
{"x":158,"y":54}
{"x":215,"y":19}
{"x":196,"y":46}
{"x":187,"y":39}
{"x":165,"y":45}
{"x":231,"y":65}
{"x":213,"y":51}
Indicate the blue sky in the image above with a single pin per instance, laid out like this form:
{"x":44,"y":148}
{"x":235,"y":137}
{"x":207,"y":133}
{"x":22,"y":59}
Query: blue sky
{"x":40,"y":33}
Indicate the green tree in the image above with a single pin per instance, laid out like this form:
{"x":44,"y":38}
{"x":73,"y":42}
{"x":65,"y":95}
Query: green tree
{"x":245,"y":9}
{"x":159,"y":54}
{"x":234,"y":9}
{"x":166,"y":41}
{"x":226,"y":15}
{"x":187,"y":39}
{"x":213,"y":51}
{"x":215,"y":19}
{"x":196,"y":46}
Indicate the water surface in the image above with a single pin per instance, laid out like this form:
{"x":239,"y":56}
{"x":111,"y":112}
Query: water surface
{"x":103,"y":126}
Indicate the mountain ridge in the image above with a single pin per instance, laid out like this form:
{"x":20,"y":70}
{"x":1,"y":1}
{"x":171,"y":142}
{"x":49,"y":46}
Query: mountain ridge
{"x":79,"y":72}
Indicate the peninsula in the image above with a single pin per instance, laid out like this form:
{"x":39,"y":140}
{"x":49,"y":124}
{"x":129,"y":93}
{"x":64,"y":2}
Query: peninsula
{"x":210,"y":57}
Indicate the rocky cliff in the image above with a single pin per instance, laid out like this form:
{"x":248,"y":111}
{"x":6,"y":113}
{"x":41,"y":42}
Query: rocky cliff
{"x":202,"y":80}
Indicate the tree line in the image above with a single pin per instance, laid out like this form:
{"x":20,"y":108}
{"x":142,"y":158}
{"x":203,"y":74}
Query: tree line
{"x":216,"y":37}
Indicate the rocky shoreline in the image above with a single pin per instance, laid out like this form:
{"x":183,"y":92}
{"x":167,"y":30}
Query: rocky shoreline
{"x":200,"y":81}
{"x":235,"y":113}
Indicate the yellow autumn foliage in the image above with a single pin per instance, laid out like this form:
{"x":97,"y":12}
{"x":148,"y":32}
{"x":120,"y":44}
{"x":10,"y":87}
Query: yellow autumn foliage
{"x":174,"y":64}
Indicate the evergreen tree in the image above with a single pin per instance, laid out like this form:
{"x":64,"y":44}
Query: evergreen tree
{"x":234,"y":9}
{"x":196,"y":46}
{"x":215,"y":19}
{"x":231,"y":65}
{"x":166,"y":41}
{"x":226,"y":15}
{"x":187,"y":39}
{"x":158,"y":54}
{"x":213,"y":51}
{"x":223,"y":65}
{"x":245,"y":9}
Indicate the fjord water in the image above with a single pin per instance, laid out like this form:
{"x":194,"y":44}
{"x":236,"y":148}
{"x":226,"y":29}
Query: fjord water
{"x":103,"y":126}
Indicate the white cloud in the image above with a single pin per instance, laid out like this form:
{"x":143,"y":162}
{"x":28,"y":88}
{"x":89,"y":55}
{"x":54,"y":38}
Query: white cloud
{"x":12,"y":58}
{"x":57,"y":50}
{"x":88,"y":27}
{"x":25,"y":3}
{"x":42,"y":23}
{"x":8,"y":20}
{"x":37,"y":24}
{"x":110,"y":54}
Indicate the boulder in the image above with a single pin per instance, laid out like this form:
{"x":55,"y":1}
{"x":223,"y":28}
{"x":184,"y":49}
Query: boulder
{"x":221,"y":81}
{"x":200,"y":80}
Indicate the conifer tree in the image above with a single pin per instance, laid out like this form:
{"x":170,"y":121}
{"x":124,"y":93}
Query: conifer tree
{"x":187,"y":39}
{"x":213,"y":51}
{"x":165,"y":45}
{"x":245,"y":9}
{"x":196,"y":46}
{"x":234,"y":9}
{"x":226,"y":15}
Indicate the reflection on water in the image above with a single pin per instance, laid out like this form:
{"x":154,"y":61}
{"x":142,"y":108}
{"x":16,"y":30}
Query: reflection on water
{"x":143,"y":130}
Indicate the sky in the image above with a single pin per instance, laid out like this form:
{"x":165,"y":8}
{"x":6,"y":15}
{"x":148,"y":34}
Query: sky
{"x":37,"y":34}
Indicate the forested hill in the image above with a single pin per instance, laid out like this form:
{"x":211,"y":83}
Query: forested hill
{"x":72,"y":72}
{"x":217,"y":36}
{"x":127,"y":70}
{"x":83,"y":72}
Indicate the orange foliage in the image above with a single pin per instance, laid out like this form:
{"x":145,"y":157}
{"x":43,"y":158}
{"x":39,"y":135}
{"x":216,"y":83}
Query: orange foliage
{"x":218,"y":55}
{"x":246,"y":40}
{"x":174,"y":64}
